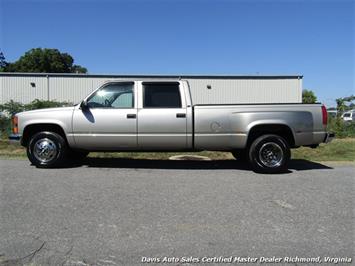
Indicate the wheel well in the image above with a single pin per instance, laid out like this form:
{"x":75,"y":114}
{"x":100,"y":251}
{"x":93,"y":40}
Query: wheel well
{"x":277,"y":129}
{"x":30,"y":130}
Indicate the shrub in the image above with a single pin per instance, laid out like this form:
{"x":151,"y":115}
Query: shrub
{"x":39,"y":104}
{"x":340,"y":128}
{"x":11,"y":108}
{"x":5,"y":126}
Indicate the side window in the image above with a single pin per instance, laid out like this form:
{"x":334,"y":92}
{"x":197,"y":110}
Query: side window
{"x":113,"y":95}
{"x":161,"y":95}
{"x":125,"y":100}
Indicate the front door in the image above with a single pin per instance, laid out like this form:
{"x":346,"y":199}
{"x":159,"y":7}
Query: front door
{"x":110,"y":120}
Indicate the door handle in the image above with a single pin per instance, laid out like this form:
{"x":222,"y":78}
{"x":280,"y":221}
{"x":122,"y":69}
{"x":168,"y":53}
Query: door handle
{"x":180,"y":115}
{"x":131,"y":116}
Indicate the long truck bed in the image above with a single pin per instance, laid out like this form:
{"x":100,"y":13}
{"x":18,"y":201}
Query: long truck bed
{"x":227,"y":127}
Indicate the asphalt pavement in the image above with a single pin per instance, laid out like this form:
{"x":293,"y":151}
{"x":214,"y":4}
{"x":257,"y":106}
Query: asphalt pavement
{"x":129,"y":212}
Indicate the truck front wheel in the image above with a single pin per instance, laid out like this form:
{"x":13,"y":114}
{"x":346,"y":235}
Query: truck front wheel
{"x":47,"y":149}
{"x":269,"y":154}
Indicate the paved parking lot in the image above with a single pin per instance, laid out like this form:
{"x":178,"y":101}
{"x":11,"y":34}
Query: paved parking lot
{"x":120,"y":212}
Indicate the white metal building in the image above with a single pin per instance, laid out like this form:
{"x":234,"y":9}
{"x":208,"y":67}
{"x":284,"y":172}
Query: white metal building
{"x":25,"y":87}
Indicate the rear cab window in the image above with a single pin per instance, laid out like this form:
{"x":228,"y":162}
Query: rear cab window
{"x":161,"y":95}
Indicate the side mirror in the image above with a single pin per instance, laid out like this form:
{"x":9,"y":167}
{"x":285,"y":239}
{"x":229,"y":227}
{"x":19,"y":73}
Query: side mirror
{"x":84,"y":105}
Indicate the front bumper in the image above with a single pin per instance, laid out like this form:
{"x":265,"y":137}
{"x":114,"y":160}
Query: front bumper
{"x":329,"y":136}
{"x":15,"y":138}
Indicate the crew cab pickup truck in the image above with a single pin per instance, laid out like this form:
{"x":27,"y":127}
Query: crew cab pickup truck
{"x":160,"y":116}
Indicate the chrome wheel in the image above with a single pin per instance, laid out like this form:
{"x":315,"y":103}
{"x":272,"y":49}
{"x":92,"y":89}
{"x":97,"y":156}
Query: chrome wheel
{"x":271,"y":154}
{"x":45,"y":150}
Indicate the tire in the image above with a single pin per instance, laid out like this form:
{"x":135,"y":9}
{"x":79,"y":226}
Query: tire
{"x":240,"y":155}
{"x":47,"y":149}
{"x":269,"y":154}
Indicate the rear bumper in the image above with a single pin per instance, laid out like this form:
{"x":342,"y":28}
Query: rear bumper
{"x":15,"y":138}
{"x":329,"y":136}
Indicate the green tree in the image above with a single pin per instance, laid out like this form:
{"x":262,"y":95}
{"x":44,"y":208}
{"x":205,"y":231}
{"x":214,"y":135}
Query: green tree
{"x":344,"y":104}
{"x":78,"y":69}
{"x":308,"y":96}
{"x":45,"y":60}
{"x":3,"y":63}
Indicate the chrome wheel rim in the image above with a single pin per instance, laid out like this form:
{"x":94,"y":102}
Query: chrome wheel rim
{"x":271,"y":154}
{"x":45,"y":150}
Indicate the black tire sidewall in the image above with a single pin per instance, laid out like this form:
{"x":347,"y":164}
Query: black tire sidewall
{"x":253,"y":155}
{"x":59,"y":142}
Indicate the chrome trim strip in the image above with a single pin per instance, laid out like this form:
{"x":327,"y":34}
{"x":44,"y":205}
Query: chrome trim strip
{"x":219,"y":134}
{"x":100,"y":135}
{"x":127,"y":134}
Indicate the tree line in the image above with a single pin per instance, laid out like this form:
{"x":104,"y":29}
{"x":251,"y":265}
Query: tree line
{"x":42,"y":60}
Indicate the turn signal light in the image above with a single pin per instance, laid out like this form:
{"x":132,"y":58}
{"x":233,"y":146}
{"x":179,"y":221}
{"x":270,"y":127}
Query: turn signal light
{"x":15,"y":124}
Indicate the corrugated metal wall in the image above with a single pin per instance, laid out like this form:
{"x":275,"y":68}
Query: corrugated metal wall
{"x":72,"y":89}
{"x":228,"y":91}
{"x":20,"y":89}
{"x":222,"y":91}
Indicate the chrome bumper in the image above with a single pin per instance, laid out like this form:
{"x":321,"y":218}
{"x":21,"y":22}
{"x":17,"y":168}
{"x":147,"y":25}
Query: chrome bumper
{"x":329,"y":136}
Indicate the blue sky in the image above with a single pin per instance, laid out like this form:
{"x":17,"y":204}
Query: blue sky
{"x":311,"y":37}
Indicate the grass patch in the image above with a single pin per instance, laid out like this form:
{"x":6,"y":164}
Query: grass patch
{"x":8,"y":149}
{"x":337,"y":150}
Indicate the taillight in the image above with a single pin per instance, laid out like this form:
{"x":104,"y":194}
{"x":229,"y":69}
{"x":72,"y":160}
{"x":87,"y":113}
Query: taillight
{"x":15,"y":124}
{"x":324,"y":115}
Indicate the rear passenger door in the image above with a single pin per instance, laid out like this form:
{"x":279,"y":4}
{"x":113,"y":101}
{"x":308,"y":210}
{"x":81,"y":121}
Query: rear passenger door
{"x":161,"y":116}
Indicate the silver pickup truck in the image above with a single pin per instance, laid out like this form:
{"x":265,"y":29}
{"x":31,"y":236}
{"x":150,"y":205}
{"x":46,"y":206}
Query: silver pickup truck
{"x":160,"y":116}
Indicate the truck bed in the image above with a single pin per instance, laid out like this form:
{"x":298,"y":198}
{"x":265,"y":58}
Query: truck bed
{"x":228,"y":125}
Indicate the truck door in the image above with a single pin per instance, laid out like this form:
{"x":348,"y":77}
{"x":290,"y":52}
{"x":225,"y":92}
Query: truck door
{"x":109,"y":122}
{"x":161,"y":116}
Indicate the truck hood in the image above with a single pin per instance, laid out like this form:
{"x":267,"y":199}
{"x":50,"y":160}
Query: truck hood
{"x":46,"y":110}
